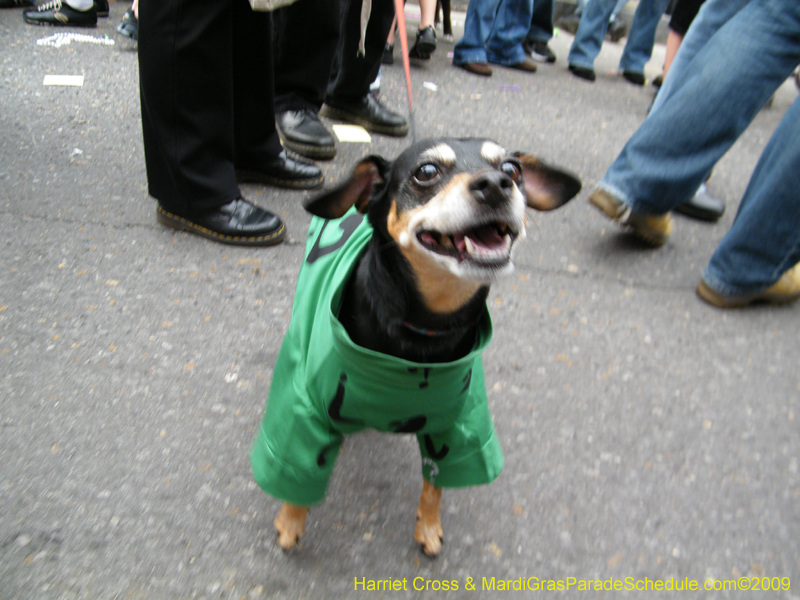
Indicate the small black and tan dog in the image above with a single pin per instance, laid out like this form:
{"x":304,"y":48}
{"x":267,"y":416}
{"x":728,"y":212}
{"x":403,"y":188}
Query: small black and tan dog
{"x":442,"y":220}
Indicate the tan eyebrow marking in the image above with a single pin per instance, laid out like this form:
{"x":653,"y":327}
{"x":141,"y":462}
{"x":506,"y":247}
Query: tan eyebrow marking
{"x":492,"y":152}
{"x":442,"y":153}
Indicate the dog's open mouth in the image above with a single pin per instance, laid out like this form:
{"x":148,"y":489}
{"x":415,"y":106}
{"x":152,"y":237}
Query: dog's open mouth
{"x":489,"y":244}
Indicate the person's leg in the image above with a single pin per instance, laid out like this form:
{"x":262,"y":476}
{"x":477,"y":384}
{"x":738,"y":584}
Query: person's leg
{"x":504,"y":46}
{"x":348,"y":98}
{"x":642,"y":36}
{"x":683,"y":14}
{"x":304,"y":52}
{"x":256,"y":140}
{"x":355,"y":72}
{"x":721,"y":92}
{"x":477,"y":27}
{"x":764,"y":240}
{"x":187,"y":103}
{"x":710,"y":18}
{"x":541,"y":31}
{"x":591,"y":31}
{"x":618,"y":8}
{"x":425,"y":43}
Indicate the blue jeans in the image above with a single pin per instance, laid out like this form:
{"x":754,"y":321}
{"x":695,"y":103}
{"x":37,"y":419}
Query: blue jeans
{"x":494,"y":31}
{"x":592,"y":30}
{"x":714,"y":16}
{"x":719,"y":93}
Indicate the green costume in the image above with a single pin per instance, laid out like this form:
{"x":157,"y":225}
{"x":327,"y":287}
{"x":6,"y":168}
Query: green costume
{"x":325,"y":386}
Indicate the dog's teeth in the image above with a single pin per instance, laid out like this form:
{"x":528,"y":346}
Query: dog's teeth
{"x":470,"y":247}
{"x":487,"y":253}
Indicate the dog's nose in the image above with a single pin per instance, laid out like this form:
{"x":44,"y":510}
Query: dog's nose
{"x":491,"y":188}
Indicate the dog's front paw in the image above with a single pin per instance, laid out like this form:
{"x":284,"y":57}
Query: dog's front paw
{"x":291,"y":524}
{"x":429,"y":533}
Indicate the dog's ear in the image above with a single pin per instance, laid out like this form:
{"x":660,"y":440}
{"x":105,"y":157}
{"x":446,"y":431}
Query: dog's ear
{"x":367,"y":180}
{"x":547,"y":188}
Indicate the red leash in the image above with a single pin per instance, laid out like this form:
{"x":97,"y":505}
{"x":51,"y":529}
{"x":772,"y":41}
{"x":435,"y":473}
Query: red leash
{"x":401,"y":25}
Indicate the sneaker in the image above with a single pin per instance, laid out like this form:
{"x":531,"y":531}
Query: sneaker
{"x":57,"y":12}
{"x":539,"y":51}
{"x":654,"y":230}
{"x":425,"y":44}
{"x":16,"y":3}
{"x":616,"y":30}
{"x":786,"y":290}
{"x":129,"y":26}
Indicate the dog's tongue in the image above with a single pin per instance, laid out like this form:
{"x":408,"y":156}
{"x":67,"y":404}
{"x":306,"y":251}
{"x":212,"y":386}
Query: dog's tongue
{"x":485,"y":237}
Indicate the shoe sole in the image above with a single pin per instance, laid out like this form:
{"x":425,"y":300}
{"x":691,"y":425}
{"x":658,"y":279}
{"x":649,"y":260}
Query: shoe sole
{"x":637,"y":223}
{"x":307,"y":150}
{"x":180,"y":224}
{"x":59,"y":24}
{"x":422,"y":51}
{"x":720,"y":301}
{"x":700,"y":214}
{"x":468,"y":69}
{"x":585,"y":74}
{"x":342,"y":115}
{"x":542,"y":58}
{"x":289,"y":184}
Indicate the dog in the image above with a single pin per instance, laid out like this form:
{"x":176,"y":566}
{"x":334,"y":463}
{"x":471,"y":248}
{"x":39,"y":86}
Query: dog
{"x":390,"y":320}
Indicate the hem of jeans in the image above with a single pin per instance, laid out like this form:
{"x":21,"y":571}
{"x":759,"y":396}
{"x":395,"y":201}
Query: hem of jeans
{"x":504,"y":61}
{"x":726,"y":289}
{"x":615,"y":192}
{"x":573,"y":63}
{"x":637,"y":207}
{"x":464,"y":58}
{"x":624,"y":69}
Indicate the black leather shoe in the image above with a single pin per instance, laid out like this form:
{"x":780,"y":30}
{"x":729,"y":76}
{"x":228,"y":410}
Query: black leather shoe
{"x":101,"y":6}
{"x":425,"y":45}
{"x":59,"y":13}
{"x":367,"y":112}
{"x":285,"y":172}
{"x":303,"y":132}
{"x":583,"y":72}
{"x":239,"y":222}
{"x":702,"y":206}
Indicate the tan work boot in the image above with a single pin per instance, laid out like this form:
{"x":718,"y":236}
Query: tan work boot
{"x":784,"y":291}
{"x":651,"y":229}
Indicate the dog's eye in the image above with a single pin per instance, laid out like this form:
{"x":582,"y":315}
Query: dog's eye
{"x":426,"y":173}
{"x":512,"y":170}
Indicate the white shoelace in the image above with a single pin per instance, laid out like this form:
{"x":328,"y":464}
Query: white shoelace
{"x":52,"y":5}
{"x":65,"y":39}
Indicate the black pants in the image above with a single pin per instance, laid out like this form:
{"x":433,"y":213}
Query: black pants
{"x":316,"y":45}
{"x":206,"y":81}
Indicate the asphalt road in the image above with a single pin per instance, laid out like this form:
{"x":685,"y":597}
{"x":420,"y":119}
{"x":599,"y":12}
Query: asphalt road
{"x":648,"y":437}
